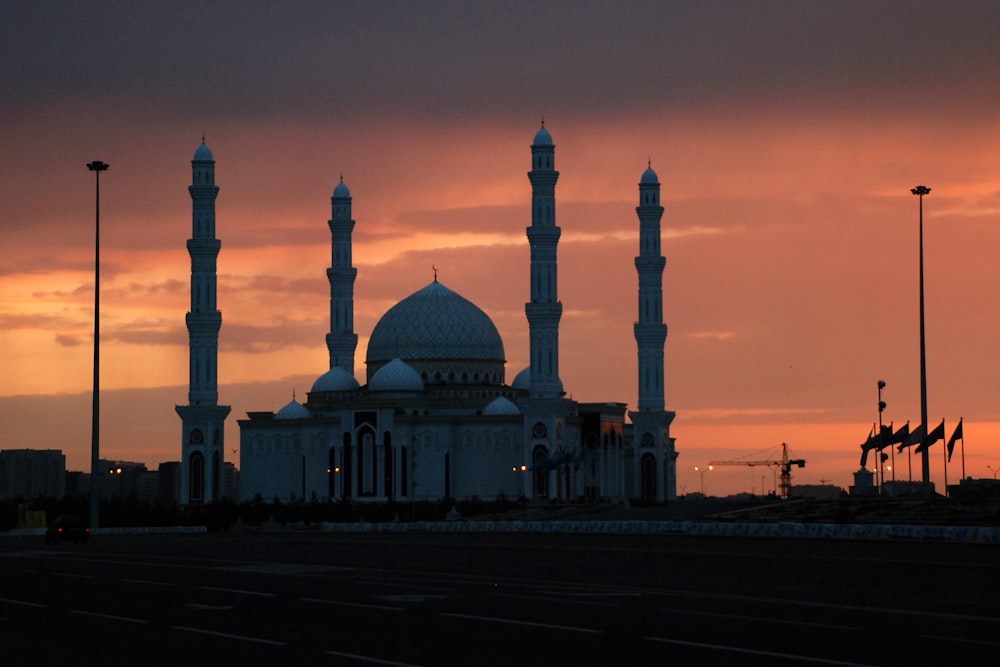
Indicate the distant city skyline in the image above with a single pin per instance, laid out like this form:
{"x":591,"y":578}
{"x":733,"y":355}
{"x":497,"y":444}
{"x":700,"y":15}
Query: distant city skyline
{"x":787,"y":138}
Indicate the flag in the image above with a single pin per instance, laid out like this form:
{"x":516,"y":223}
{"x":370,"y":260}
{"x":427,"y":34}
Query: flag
{"x":957,"y":435}
{"x":901,"y":435}
{"x":884,"y":437}
{"x":868,"y":445}
{"x":932,"y":437}
{"x":916,"y":436}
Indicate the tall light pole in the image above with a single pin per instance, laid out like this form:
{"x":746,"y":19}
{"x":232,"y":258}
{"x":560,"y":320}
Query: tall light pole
{"x":97,"y":167}
{"x":925,"y":458}
{"x":880,"y":467}
{"x":701,"y":471}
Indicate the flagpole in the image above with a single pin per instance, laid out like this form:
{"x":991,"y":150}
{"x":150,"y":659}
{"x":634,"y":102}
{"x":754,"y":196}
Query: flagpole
{"x":909,"y":465}
{"x":963,"y":447}
{"x":879,"y":467}
{"x":944,"y":452}
{"x":920,"y":191}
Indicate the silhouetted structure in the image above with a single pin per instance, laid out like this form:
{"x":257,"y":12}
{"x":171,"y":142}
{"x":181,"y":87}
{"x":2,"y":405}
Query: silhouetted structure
{"x":436,"y":418}
{"x":202,"y":431}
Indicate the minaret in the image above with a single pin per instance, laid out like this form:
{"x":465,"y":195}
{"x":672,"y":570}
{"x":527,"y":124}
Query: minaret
{"x":202,"y":448}
{"x":544,"y":310}
{"x":656,"y":459}
{"x":650,"y":331}
{"x":342,"y":341}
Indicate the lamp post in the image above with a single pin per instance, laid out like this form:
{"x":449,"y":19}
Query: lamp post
{"x":879,"y":467}
{"x":97,"y":167}
{"x":701,"y":471}
{"x":925,"y":459}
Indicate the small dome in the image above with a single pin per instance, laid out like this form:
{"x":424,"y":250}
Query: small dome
{"x":649,"y":177}
{"x":341,"y":191}
{"x":396,"y":375}
{"x":522,"y":380}
{"x":294,"y":410}
{"x":335,"y":379}
{"x":203,"y":154}
{"x":542,"y":138}
{"x":501,"y":406}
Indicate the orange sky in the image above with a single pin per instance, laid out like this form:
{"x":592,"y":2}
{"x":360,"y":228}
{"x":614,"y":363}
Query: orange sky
{"x":790,"y":232}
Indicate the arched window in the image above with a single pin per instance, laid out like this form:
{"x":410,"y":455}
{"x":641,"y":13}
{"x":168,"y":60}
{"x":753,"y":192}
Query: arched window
{"x":648,"y":473}
{"x":196,"y":478}
{"x":540,"y":472}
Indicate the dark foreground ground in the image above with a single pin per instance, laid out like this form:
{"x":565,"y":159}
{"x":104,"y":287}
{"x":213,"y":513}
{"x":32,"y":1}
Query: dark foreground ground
{"x":314,"y":598}
{"x":932,"y":511}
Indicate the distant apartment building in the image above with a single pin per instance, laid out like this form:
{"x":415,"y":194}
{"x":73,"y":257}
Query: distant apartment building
{"x":120,"y":479}
{"x":32,"y":473}
{"x":170,"y":482}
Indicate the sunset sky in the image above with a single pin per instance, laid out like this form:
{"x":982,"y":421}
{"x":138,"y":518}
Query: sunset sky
{"x":786,"y":135}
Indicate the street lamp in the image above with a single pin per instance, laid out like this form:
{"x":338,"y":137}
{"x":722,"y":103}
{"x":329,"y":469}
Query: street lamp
{"x":97,"y":167}
{"x":702,"y":473}
{"x":878,"y":463}
{"x":925,"y":460}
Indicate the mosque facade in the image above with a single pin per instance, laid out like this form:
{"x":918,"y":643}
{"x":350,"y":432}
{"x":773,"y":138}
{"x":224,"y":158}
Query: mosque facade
{"x":436,"y":418}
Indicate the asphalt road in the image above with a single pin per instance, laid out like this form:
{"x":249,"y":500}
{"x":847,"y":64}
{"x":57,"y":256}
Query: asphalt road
{"x":454,"y":599}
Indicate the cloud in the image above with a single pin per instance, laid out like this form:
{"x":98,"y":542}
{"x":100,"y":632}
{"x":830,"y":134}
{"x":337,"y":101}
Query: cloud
{"x":713,"y":335}
{"x":70,"y":340}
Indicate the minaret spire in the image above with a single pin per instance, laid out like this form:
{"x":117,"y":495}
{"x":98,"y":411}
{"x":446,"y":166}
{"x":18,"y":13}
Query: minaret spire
{"x":651,"y":423}
{"x":650,"y":331}
{"x":202,"y":448}
{"x":656,"y":458}
{"x":544,"y":310}
{"x":342,"y":341}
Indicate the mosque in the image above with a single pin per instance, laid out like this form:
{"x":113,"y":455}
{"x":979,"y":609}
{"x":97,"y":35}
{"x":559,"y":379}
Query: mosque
{"x":435,"y":418}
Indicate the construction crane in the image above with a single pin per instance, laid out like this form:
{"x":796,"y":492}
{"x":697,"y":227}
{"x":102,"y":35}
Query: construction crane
{"x":785,"y":464}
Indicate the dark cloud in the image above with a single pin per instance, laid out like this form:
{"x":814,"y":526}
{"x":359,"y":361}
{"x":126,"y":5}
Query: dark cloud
{"x":452,"y":59}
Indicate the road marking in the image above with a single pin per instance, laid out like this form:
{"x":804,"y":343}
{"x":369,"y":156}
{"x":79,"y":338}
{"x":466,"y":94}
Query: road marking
{"x":146,"y":582}
{"x":209,"y":607}
{"x":71,"y":575}
{"x":788,"y":602}
{"x":414,"y":597}
{"x":551,"y":598}
{"x":532,"y":624}
{"x":284,"y":568}
{"x":226,"y":635}
{"x":238,"y":591}
{"x":750,"y":651}
{"x":24,"y":603}
{"x":747,"y":617}
{"x":110,"y":617}
{"x":368,"y":658}
{"x":353,"y":604}
{"x":962,"y":640}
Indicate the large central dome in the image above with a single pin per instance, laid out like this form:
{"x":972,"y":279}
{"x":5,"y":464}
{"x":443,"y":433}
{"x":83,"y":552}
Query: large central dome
{"x":442,"y":335}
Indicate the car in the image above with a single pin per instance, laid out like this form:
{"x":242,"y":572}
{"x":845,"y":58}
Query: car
{"x":68,"y":529}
